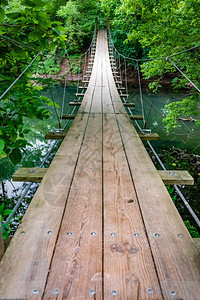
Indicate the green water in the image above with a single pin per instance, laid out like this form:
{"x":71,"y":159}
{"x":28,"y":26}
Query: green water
{"x":187,"y":136}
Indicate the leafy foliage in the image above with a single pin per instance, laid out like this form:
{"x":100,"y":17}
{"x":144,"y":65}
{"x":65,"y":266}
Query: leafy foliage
{"x":26,"y":29}
{"x":157,"y":29}
{"x":192,"y":230}
{"x":4,"y":212}
{"x":79,"y":18}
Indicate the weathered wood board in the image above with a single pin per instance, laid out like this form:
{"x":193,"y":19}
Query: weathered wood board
{"x":29,"y":174}
{"x":149,"y":136}
{"x":176,"y":177}
{"x":102,"y":224}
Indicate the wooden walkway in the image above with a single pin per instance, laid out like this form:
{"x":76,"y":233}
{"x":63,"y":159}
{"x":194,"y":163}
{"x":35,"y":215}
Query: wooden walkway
{"x":102,"y":224}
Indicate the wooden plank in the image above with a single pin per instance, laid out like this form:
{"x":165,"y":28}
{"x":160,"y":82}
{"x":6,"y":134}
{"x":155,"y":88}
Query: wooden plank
{"x":26,"y":262}
{"x":68,"y":117}
{"x":149,"y":137}
{"x":79,"y":94}
{"x":136,"y":117}
{"x":176,"y":177}
{"x":1,"y":243}
{"x":76,"y":269}
{"x":55,"y":136}
{"x":124,"y":95}
{"x":127,"y":256}
{"x":29,"y":174}
{"x":75,"y":103}
{"x":197,"y":244}
{"x":173,"y":250}
{"x":129,"y":104}
{"x":121,"y":88}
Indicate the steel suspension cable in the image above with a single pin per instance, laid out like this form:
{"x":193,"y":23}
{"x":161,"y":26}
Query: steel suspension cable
{"x":141,"y":95}
{"x":51,"y":94}
{"x":30,"y":64}
{"x":167,"y":58}
{"x":63,"y":100}
{"x":125,"y":71}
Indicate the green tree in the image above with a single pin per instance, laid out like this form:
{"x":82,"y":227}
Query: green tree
{"x":25,"y":30}
{"x":163,"y":28}
{"x":79,"y":18}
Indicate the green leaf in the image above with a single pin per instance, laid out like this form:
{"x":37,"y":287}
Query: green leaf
{"x":15,"y":156}
{"x":3,"y":2}
{"x":7,"y":212}
{"x":2,"y":30}
{"x":34,"y":35}
{"x":39,"y":3}
{"x":56,"y":30}
{"x":2,"y":208}
{"x":53,"y":46}
{"x":13,"y":16}
{"x":28,"y":3}
{"x":2,"y":145}
{"x":60,"y":28}
{"x":26,"y":131}
{"x":2,"y":15}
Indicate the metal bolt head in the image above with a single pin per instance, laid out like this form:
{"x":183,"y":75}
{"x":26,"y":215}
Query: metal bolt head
{"x":22,"y":232}
{"x":69,"y":233}
{"x":49,"y":232}
{"x":56,"y":291}
{"x":180,"y":235}
{"x":150,"y":291}
{"x":114,"y":293}
{"x":173,"y":293}
{"x":136,"y":234}
{"x":93,"y":233}
{"x":113,"y":234}
{"x":35,"y":291}
{"x":157,"y":234}
{"x":92,"y":292}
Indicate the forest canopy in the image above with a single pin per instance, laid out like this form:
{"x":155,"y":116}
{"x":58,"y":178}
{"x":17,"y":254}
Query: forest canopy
{"x":141,"y":29}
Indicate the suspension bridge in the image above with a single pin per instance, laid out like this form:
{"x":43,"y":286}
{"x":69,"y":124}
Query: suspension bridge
{"x":101,"y":224}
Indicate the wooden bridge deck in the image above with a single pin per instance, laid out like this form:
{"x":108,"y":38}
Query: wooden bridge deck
{"x":102,"y":224}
